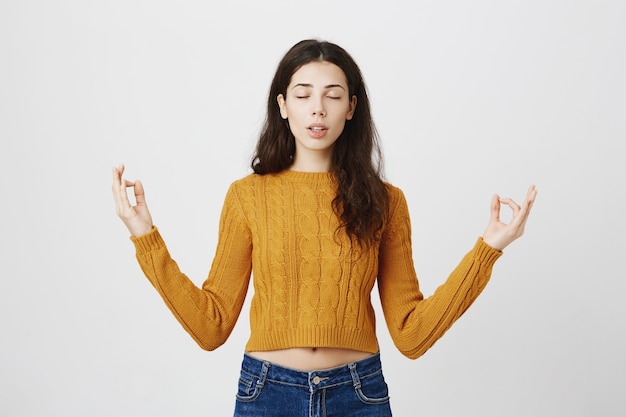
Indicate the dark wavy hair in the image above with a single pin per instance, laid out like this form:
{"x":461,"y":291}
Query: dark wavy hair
{"x":361,"y":202}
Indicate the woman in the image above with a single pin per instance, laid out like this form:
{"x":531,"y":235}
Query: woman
{"x":317,"y":226}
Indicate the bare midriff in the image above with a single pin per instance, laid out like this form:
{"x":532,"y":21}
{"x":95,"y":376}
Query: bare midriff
{"x":310,"y":359}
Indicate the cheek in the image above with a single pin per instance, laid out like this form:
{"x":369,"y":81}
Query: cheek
{"x":293,"y":110}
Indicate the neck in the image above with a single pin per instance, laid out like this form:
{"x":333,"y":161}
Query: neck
{"x":312,"y":162}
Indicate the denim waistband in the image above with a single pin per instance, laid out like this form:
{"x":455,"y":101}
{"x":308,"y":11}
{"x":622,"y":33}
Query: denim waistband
{"x":352,"y":372}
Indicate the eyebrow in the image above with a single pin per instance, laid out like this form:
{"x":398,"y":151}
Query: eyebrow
{"x":326,"y":87}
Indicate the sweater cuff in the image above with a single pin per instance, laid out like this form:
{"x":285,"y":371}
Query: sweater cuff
{"x":485,"y":254}
{"x":148,"y":242}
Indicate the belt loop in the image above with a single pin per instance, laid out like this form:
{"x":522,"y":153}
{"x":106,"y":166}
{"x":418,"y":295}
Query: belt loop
{"x":264,"y":369}
{"x":356,"y":381}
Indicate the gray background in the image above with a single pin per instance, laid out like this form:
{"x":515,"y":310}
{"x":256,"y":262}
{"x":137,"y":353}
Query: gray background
{"x":471,"y":98}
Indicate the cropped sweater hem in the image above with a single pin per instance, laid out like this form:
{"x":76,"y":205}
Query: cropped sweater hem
{"x":313,"y":336}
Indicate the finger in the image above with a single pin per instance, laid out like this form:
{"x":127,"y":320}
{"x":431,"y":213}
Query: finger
{"x":122,"y":202}
{"x":117,"y":176}
{"x":531,"y":195}
{"x":118,"y":197}
{"x":140,"y":196}
{"x":530,"y":198}
{"x":495,"y":208}
{"x":528,"y":203}
{"x":117,"y":187}
{"x":118,"y":171}
{"x":118,"y":183}
{"x":512,"y":204}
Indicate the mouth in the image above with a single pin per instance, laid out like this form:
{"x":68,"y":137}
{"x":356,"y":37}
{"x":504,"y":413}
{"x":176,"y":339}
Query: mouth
{"x":317,"y":130}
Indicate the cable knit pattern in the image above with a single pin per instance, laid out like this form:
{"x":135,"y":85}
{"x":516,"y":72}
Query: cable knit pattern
{"x":311,"y":286}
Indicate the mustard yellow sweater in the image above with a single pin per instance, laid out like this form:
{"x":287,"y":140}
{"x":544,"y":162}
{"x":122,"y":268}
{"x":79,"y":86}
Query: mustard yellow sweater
{"x":311,"y":287}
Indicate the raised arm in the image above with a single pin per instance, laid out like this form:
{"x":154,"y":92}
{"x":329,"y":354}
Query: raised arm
{"x":208,"y":313}
{"x":416,"y":323}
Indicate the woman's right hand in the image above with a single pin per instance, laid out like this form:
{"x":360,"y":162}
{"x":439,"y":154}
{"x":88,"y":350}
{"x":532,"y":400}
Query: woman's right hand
{"x":136,"y":218}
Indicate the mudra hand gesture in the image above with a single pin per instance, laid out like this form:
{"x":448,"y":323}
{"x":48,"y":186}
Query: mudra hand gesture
{"x":499,"y":235}
{"x":136,"y":218}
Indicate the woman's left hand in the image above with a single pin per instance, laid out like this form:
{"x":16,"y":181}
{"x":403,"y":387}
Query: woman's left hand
{"x":499,"y":235}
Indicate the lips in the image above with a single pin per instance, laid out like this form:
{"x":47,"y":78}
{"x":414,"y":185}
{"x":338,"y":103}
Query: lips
{"x":316,"y":127}
{"x":317,"y":130}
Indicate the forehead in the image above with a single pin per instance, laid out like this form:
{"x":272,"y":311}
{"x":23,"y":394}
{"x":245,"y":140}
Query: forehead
{"x":319,"y":73}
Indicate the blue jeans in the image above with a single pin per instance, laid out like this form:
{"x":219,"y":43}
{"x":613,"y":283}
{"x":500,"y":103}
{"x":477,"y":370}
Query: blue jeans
{"x":270,"y":390}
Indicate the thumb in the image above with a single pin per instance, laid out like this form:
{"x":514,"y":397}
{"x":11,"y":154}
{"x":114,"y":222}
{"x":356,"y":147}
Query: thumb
{"x":140,"y":197}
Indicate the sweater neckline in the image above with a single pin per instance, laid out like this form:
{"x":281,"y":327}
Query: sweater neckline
{"x":309,"y":177}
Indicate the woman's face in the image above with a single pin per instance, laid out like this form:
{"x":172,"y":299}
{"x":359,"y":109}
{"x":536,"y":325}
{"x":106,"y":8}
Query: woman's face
{"x":317,"y":104}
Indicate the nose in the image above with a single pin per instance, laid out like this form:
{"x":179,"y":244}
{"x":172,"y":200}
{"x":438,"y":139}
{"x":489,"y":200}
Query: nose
{"x":318,"y":108}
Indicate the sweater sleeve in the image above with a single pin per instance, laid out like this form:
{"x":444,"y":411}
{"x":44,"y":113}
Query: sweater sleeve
{"x":416,"y":323}
{"x":208,"y":313}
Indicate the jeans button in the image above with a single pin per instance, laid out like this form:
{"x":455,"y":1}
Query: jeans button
{"x":316,"y":380}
